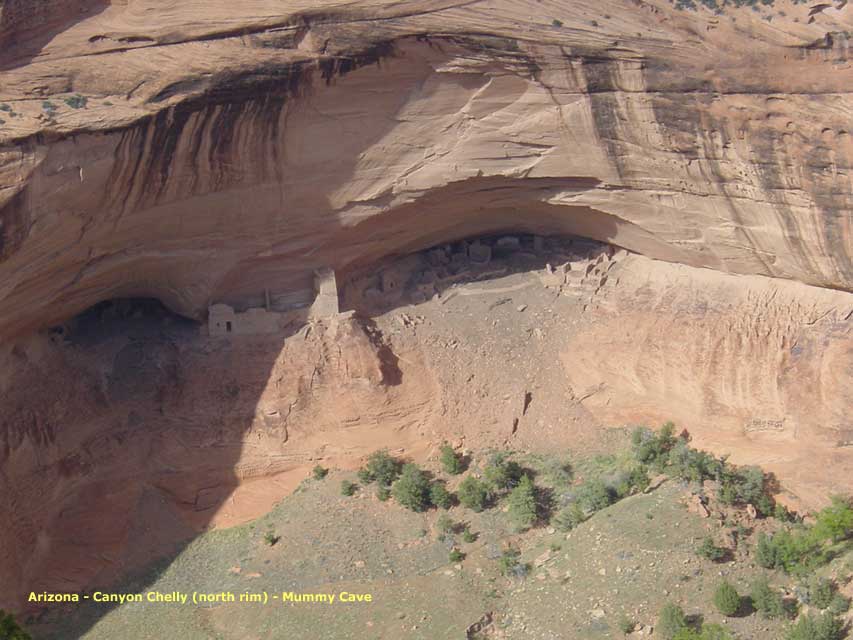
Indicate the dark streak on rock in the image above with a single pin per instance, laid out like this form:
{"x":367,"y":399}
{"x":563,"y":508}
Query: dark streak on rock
{"x":14,"y":224}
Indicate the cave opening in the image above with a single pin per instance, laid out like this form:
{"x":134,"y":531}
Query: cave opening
{"x":134,"y":318}
{"x":433,"y":271}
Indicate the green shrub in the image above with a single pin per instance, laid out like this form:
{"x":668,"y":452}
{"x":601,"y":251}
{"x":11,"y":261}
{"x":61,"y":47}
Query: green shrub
{"x":707,"y":549}
{"x":522,"y":504}
{"x":383,"y":493}
{"x":348,"y":488}
{"x":473,"y":494}
{"x":745,"y":485}
{"x":319,"y":472}
{"x":364,"y":476}
{"x":689,"y":464}
{"x":653,"y":449}
{"x":456,"y":555}
{"x":76,"y":101}
{"x":382,"y":467}
{"x":781,"y":513}
{"x":766,"y":600}
{"x":839,"y":605}
{"x":569,"y":517}
{"x":765,"y":552}
{"x":715,"y":632}
{"x":9,"y":629}
{"x":820,"y":592}
{"x":440,"y":496}
{"x":469,"y":536}
{"x":451,"y":462}
{"x":638,"y":479}
{"x":798,"y":552}
{"x":727,"y":599}
{"x":270,"y":538}
{"x":502,"y":473}
{"x":412,"y":488}
{"x":444,"y":524}
{"x":510,"y":565}
{"x":708,"y":632}
{"x":629,"y":482}
{"x":625,"y":624}
{"x":594,"y":495}
{"x":835,"y":522}
{"x":670,"y":621}
{"x":822,"y":626}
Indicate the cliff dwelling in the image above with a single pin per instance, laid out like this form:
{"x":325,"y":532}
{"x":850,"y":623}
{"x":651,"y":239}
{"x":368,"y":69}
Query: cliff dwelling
{"x":324,"y":295}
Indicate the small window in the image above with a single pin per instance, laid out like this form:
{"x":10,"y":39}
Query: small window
{"x":228,"y":327}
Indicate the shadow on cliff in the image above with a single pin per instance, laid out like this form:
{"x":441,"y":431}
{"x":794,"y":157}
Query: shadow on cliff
{"x":27,"y":26}
{"x":141,"y":422}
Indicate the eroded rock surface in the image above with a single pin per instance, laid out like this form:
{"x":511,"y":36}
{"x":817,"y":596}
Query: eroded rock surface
{"x":195,"y":152}
{"x":219,"y":152}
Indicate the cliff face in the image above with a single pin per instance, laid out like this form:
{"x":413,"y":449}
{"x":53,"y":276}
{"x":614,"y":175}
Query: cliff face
{"x":195,"y":153}
{"x":211,"y":151}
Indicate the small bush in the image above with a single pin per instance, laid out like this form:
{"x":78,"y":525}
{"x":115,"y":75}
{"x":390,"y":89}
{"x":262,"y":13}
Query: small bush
{"x":383,"y":493}
{"x":510,"y":565}
{"x":765,"y":552}
{"x":502,"y":473}
{"x":670,"y":621}
{"x":382,"y":468}
{"x":556,"y":23}
{"x":835,"y":522}
{"x":745,"y":485}
{"x":319,"y":472}
{"x":707,"y":549}
{"x":473,"y":494}
{"x":594,"y":495}
{"x":348,"y":488}
{"x":839,"y":605}
{"x":820,"y":592}
{"x":9,"y":629}
{"x":451,"y":462}
{"x":440,"y":496}
{"x":766,"y":600}
{"x":727,"y":599}
{"x":691,"y":465}
{"x":270,"y":538}
{"x":708,"y":632}
{"x":822,"y":626}
{"x":412,"y":488}
{"x":569,"y":517}
{"x":522,"y":504}
{"x":653,"y":449}
{"x":468,"y":535}
{"x":625,"y":624}
{"x":444,"y":524}
{"x":76,"y":101}
{"x":456,"y":555}
{"x":781,"y":513}
{"x":364,"y":476}
{"x":48,"y":106}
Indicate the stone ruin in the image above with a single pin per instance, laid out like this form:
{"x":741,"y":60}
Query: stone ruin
{"x":420,"y":276}
{"x":326,"y":294}
{"x":224,"y":320}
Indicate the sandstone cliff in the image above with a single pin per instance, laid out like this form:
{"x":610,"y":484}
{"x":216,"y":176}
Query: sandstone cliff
{"x":198,"y":151}
{"x":210,"y":151}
